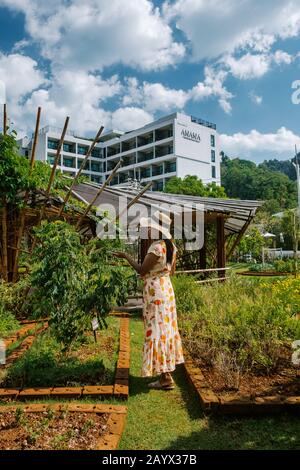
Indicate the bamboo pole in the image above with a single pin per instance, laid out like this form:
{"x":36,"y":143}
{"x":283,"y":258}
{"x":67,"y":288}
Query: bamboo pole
{"x":60,"y":144}
{"x":22,"y":218}
{"x":35,"y":140}
{"x":81,"y":169}
{"x":4,"y":240}
{"x":99,"y":192}
{"x":133,"y":201}
{"x":51,"y":179}
{"x":4,"y":119}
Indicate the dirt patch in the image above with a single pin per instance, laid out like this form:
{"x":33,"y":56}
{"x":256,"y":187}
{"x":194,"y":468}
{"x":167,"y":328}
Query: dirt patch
{"x":284,"y":382}
{"x":51,"y":430}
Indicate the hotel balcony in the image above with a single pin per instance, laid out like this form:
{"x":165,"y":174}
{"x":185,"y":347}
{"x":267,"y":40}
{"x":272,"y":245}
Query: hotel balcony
{"x":82,"y":149}
{"x":145,"y":139}
{"x":170,"y":167}
{"x":163,"y":150}
{"x":87,"y":164}
{"x":143,"y":156}
{"x":128,"y":145}
{"x":128,"y":160}
{"x":69,"y":162}
{"x":113,"y":150}
{"x":157,"y":170}
{"x":164,"y":133}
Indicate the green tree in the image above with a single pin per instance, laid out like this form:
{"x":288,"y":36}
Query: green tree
{"x":72,"y":282}
{"x":193,"y":186}
{"x":252,"y":242}
{"x":245,"y":180}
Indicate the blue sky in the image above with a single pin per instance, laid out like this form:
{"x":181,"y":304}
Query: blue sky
{"x":124,"y":63}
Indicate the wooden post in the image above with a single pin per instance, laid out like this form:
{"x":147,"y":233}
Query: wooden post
{"x":98,"y":193}
{"x":202,"y":255}
{"x":23,"y":212}
{"x":80,"y":170}
{"x":4,"y":119}
{"x":60,"y":144}
{"x":4,"y":239}
{"x":221,"y":253}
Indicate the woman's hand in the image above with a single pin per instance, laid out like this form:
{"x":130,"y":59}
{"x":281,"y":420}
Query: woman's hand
{"x":119,"y":254}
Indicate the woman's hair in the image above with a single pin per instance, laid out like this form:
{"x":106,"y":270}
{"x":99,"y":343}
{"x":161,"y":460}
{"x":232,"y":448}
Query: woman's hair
{"x":170,"y":250}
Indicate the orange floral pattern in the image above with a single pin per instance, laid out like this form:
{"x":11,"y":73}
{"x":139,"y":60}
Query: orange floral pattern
{"x":162,"y":346}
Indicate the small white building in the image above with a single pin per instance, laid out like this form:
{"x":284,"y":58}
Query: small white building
{"x":175,"y":145}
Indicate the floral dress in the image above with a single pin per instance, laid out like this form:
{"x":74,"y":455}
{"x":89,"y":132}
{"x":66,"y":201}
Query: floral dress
{"x":162,"y":346}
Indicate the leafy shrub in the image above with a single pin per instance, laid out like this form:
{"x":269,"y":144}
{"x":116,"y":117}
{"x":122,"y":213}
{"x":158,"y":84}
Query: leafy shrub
{"x":288,"y":292}
{"x":284,"y":266}
{"x":73,"y":282}
{"x":261,"y":267}
{"x":238,"y":322}
{"x":11,"y":299}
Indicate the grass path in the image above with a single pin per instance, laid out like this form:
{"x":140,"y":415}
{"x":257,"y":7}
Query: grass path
{"x":160,"y":420}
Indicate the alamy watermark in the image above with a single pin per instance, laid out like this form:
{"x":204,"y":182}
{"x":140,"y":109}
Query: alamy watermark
{"x":296,"y":94}
{"x":187,"y":222}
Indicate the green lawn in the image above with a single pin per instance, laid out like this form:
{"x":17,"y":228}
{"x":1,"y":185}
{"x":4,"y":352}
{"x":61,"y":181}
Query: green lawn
{"x":163,"y":420}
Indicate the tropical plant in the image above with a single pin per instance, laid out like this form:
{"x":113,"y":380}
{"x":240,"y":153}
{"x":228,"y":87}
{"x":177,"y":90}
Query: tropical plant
{"x":239,"y":323}
{"x":73,"y":282}
{"x":193,"y":186}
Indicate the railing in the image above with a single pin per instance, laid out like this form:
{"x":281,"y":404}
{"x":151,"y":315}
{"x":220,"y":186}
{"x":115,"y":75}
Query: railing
{"x":221,"y":271}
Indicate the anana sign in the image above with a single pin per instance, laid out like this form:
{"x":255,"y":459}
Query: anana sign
{"x":189,"y":135}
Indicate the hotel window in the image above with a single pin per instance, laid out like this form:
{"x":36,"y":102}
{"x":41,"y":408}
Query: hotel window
{"x":86,"y":166}
{"x":52,"y":144}
{"x":96,"y":152}
{"x":213,"y":171}
{"x":69,"y":148}
{"x":82,"y":149}
{"x":96,"y":167}
{"x":96,"y":179}
{"x":51,"y":158}
{"x":213,"y":156}
{"x":69,"y":162}
{"x":212,"y":141}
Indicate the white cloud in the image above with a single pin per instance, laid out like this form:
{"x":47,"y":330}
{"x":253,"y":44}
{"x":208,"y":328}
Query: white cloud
{"x":221,"y":27}
{"x":154,"y":96}
{"x":256,"y":144}
{"x":281,"y":57}
{"x":248,"y":66}
{"x":20,"y":75}
{"x":129,"y":118}
{"x":93,"y":34}
{"x":213,"y":86}
{"x":256,"y":99}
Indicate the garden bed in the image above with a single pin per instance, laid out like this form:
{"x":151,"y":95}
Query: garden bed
{"x":270,"y":397}
{"x":61,"y":427}
{"x":92,"y":370}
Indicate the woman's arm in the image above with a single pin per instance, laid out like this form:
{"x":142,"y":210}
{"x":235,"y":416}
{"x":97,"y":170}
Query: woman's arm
{"x":173,"y":268}
{"x":142,"y":269}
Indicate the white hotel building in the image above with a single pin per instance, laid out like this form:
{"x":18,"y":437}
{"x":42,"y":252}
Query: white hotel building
{"x":175,"y":145}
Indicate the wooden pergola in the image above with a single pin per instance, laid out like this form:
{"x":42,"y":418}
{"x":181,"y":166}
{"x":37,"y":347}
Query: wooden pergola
{"x":231,"y":217}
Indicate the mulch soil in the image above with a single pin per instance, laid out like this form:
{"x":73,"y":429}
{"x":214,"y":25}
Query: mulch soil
{"x":285,"y":381}
{"x":51,"y":430}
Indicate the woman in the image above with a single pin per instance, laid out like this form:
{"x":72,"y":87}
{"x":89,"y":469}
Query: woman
{"x":162,"y":346}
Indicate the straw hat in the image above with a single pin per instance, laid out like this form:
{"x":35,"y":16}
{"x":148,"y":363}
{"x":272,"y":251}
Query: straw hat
{"x":159,"y":221}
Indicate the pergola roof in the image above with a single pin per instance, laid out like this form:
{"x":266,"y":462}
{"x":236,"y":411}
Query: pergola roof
{"x":238,"y":213}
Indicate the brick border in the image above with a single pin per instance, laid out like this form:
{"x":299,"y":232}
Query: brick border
{"x":115,"y":423}
{"x":26,"y":343}
{"x":120,"y":388}
{"x":29,"y":326}
{"x":211,"y":402}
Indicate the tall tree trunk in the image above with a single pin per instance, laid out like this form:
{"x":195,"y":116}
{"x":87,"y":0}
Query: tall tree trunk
{"x":4,"y":240}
